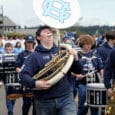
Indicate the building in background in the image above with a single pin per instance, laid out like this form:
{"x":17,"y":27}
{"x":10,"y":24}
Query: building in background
{"x":7,"y":25}
{"x":1,"y":20}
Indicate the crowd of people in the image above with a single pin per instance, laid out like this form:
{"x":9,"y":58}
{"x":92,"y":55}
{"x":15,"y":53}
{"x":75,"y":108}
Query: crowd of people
{"x":17,"y":43}
{"x":93,"y":57}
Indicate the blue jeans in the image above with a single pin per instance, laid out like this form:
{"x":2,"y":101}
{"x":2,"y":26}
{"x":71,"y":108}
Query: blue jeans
{"x":59,"y":106}
{"x":10,"y":105}
{"x":82,"y":108}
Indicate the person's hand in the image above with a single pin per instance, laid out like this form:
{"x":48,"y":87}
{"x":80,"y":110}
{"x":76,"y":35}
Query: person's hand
{"x":109,"y":92}
{"x":18,"y":70}
{"x":78,"y":76}
{"x":74,"y":53}
{"x":42,"y":84}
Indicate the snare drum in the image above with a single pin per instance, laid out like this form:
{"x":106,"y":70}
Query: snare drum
{"x":17,"y":90}
{"x":96,"y":95}
{"x":8,"y":64}
{"x":13,"y":91}
{"x":11,"y":79}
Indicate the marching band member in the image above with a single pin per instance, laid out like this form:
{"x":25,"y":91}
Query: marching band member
{"x":90,"y":63}
{"x":104,"y":50}
{"x":50,"y":99}
{"x":109,"y":82}
{"x":29,"y":48}
{"x":109,"y":72}
{"x":9,"y":103}
{"x":68,"y":39}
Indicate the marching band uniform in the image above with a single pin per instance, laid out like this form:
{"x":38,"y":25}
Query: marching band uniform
{"x":90,"y":63}
{"x":97,"y":65}
{"x":27,"y":101}
{"x":49,"y":100}
{"x":109,"y":71}
{"x":109,"y":82}
{"x":9,"y":103}
{"x":104,"y":52}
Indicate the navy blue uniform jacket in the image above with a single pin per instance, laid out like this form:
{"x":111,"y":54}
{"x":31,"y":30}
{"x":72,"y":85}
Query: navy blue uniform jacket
{"x":104,"y":51}
{"x":96,"y":64}
{"x":21,"y":58}
{"x":109,"y":69}
{"x":35,"y":62}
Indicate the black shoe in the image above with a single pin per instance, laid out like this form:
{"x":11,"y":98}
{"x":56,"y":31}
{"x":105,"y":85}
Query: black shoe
{"x":10,"y":113}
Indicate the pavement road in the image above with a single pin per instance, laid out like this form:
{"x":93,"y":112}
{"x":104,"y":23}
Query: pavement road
{"x":17,"y":106}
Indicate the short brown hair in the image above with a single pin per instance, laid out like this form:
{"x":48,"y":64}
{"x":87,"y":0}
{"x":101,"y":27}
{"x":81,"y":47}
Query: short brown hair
{"x":8,"y":45}
{"x":86,"y":39}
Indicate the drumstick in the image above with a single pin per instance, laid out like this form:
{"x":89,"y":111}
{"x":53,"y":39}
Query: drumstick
{"x":89,"y":73}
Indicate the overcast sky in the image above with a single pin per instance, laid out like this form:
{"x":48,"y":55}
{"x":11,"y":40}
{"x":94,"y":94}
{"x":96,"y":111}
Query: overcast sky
{"x":92,"y":12}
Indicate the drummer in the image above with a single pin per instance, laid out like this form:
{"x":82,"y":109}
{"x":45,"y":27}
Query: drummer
{"x":29,"y":48}
{"x":91,"y":64}
{"x":9,"y":103}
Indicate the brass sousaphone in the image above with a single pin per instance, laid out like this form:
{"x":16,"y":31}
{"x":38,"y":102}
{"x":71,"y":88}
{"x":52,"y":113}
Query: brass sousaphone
{"x":60,"y":64}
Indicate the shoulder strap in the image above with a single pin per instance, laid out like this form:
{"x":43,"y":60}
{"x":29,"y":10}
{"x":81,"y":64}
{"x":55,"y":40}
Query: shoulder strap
{"x":80,"y":54}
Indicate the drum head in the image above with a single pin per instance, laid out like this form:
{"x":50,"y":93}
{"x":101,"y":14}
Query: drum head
{"x":13,"y":84}
{"x":96,"y":86}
